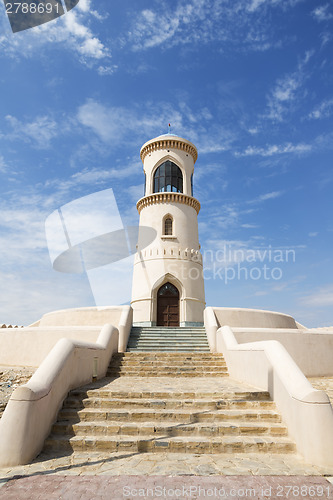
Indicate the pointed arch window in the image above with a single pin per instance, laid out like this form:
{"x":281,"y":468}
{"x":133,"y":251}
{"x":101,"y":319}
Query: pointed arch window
{"x":168,"y":178}
{"x":168,"y":223}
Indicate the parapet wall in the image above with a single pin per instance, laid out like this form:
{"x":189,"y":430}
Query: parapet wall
{"x":29,"y":346}
{"x":311,"y":350}
{"x":306,"y":411}
{"x":253,"y":318}
{"x":82,"y":316}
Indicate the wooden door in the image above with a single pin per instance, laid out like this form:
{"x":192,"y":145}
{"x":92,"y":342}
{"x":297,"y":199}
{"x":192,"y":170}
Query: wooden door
{"x":168,"y":305}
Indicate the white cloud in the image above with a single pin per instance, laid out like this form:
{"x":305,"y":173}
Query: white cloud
{"x":267,"y":196}
{"x":117,"y":125}
{"x":204,"y":21}
{"x":3,"y":165}
{"x":321,"y":13}
{"x":287,"y":91}
{"x":107,"y":70}
{"x":323,"y":110}
{"x":96,"y":177}
{"x":276,"y":150}
{"x":70,"y":31}
{"x":323,"y":297}
{"x":249,"y":226}
{"x":39,"y":132}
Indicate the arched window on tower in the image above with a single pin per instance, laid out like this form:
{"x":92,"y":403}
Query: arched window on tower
{"x":168,"y":226}
{"x":192,"y":185}
{"x":168,"y":178}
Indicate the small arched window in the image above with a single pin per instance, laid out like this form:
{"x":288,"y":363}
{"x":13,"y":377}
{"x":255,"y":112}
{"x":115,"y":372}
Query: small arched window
{"x":168,"y":177}
{"x":168,"y":226}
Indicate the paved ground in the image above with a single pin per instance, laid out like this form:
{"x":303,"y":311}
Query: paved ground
{"x":324,"y":384}
{"x":181,"y":487}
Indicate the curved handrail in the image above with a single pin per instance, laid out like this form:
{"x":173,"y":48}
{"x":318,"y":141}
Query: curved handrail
{"x":33,"y":407}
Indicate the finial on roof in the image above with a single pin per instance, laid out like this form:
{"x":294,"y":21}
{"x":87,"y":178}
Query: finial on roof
{"x":169,"y":130}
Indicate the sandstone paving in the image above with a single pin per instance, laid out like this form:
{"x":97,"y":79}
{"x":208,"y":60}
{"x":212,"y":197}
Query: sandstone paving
{"x":323,"y":384}
{"x":116,"y":464}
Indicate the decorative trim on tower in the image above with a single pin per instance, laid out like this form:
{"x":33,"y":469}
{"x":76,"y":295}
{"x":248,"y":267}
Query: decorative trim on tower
{"x":167,"y":197}
{"x":168,"y":143}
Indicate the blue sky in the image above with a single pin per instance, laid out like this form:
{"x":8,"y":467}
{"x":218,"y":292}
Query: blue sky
{"x":249,"y":82}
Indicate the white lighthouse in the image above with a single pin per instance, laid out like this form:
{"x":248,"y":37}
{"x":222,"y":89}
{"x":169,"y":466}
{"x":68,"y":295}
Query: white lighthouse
{"x":168,"y":285}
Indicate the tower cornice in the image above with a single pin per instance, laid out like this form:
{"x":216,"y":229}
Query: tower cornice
{"x":169,"y":142}
{"x":167,"y":197}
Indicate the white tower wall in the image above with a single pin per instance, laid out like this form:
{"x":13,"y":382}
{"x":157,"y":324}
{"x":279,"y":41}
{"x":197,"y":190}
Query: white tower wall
{"x":172,"y":258}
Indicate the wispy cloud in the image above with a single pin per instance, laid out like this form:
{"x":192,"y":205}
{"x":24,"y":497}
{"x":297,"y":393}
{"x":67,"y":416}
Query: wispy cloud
{"x":264,"y":197}
{"x":203,"y":21}
{"x":38,"y":132}
{"x":323,"y":110}
{"x":275,"y":149}
{"x":256,"y":4}
{"x":323,"y":297}
{"x":287,"y":91}
{"x":249,"y":226}
{"x":116,"y":125}
{"x":70,"y":31}
{"x":97,"y":177}
{"x":3,"y":165}
{"x":322,"y":13}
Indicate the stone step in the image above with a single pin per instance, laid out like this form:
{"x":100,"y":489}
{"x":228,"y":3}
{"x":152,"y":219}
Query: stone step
{"x":161,"y":363}
{"x":163,"y":368}
{"x":205,"y":356}
{"x":198,"y":404}
{"x":200,"y":356}
{"x":252,"y":396}
{"x":183,"y":415}
{"x":198,"y":445}
{"x":185,"y":336}
{"x":114,"y":428}
{"x":171,"y":344}
{"x":159,"y":340}
{"x":171,"y":339}
{"x":168,"y":328}
{"x":160,"y":369}
{"x":168,"y":349}
{"x":165,"y":373}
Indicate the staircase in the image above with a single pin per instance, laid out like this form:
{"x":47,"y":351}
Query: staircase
{"x":171,"y":339}
{"x":168,"y":412}
{"x":167,"y":364}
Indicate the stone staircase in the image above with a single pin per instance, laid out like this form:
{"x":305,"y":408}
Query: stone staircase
{"x":161,"y":410}
{"x":167,"y":364}
{"x":171,"y":339}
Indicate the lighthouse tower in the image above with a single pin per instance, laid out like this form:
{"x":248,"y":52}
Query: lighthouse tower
{"x":168,"y":285}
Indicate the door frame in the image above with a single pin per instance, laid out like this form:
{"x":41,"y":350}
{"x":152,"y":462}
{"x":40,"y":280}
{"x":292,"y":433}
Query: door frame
{"x":174,"y":301}
{"x":175,"y":282}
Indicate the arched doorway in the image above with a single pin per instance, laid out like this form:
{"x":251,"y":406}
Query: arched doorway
{"x":168,"y":305}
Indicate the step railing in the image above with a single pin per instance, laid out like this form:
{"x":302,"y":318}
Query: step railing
{"x":33,"y":407}
{"x":306,"y":411}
